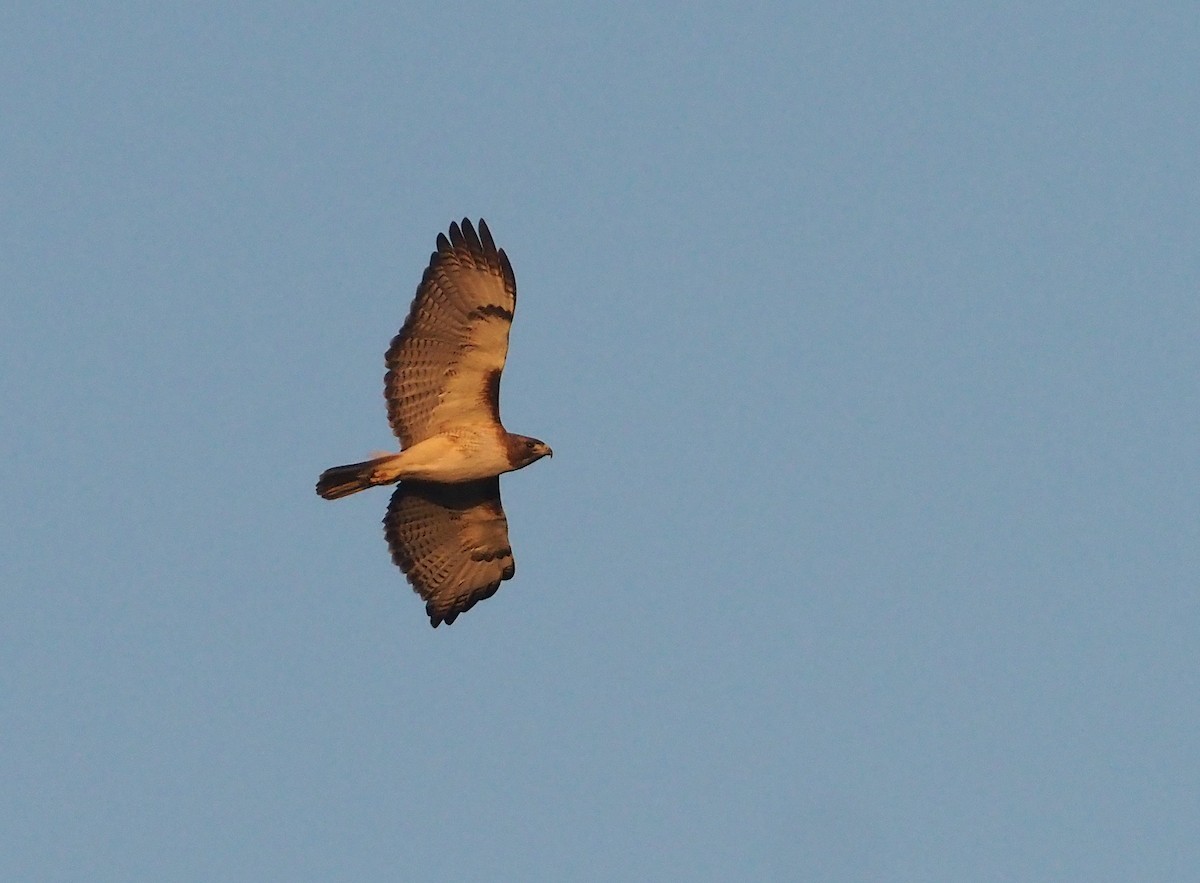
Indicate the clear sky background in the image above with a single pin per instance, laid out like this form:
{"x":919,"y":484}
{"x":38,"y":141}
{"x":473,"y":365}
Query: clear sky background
{"x":866,"y":337}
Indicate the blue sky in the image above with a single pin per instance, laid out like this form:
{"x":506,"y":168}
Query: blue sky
{"x":866,"y":339}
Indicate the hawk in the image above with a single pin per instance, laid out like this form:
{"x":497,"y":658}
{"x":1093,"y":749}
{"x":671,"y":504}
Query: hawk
{"x":445,"y":526}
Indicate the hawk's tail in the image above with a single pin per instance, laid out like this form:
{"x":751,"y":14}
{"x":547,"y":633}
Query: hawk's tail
{"x":342,"y":481}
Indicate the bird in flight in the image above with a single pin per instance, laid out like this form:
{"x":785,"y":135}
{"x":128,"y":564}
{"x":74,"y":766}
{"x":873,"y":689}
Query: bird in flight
{"x":445,"y":526}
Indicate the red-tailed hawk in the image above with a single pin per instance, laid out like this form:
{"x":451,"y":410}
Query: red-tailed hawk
{"x":445,"y":525}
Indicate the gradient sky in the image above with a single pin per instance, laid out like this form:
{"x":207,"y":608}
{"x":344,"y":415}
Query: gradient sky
{"x":865,"y":335}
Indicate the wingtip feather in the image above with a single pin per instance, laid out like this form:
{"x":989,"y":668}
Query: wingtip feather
{"x":471,"y":239}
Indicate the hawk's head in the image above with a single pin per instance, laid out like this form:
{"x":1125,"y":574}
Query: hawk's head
{"x":523,"y":450}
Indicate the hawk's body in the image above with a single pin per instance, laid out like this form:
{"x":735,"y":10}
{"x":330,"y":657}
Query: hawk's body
{"x":445,"y":525}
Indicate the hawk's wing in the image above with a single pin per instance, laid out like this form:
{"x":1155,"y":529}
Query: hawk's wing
{"x":444,"y":366}
{"x":451,"y":540}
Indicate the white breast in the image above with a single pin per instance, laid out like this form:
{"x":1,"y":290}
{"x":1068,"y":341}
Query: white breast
{"x":455,"y":456}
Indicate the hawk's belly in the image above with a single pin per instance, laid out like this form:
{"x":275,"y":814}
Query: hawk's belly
{"x":451,"y":458}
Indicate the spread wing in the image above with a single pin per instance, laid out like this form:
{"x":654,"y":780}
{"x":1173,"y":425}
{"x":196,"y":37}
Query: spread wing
{"x":451,"y":541}
{"x":444,"y":366}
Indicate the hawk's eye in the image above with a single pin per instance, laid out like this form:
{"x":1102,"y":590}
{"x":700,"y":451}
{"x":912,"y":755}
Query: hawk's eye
{"x":530,"y":445}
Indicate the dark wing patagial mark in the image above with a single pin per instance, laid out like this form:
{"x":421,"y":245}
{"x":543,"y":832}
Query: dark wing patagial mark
{"x":491,"y":393}
{"x":454,"y":339}
{"x":451,"y":541}
{"x":491,"y":311}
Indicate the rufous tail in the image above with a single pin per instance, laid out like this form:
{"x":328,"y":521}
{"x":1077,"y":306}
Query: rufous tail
{"x":342,"y":481}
